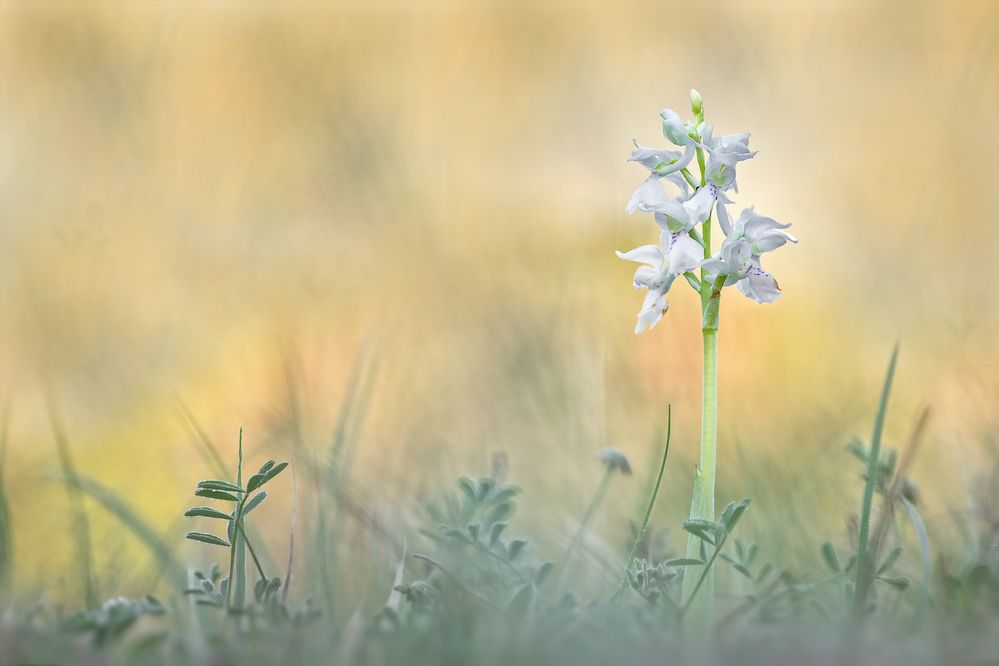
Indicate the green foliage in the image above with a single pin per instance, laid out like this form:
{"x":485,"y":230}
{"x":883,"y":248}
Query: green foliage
{"x":110,"y":622}
{"x":469,"y":542}
{"x":471,"y":587}
{"x":228,"y":596}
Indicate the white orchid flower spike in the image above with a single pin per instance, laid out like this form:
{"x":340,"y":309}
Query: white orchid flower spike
{"x":685,"y":245}
{"x":686,"y":219}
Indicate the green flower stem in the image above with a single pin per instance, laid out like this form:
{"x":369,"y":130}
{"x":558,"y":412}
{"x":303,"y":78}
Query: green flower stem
{"x":232,"y":555}
{"x":709,"y":420}
{"x":709,"y":398}
{"x":240,"y":531}
{"x":703,"y":506}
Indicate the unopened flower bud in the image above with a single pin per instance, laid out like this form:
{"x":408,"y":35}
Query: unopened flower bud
{"x":674,"y":129}
{"x":696,"y":104}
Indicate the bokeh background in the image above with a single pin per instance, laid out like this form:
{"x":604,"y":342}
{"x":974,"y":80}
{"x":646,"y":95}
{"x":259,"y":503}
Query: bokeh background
{"x":239,"y":207}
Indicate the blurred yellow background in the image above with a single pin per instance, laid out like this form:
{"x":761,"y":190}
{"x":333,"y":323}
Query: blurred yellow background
{"x":231,"y":203}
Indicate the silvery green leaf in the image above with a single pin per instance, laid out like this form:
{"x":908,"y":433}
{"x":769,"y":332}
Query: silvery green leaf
{"x":206,"y":512}
{"x":207,"y":538}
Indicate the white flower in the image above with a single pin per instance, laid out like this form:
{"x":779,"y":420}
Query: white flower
{"x":676,"y":254}
{"x":650,"y":197}
{"x":759,"y":285}
{"x":699,"y":206}
{"x":677,"y":215}
{"x":738,"y":264}
{"x":739,"y":257}
{"x":751,"y":235}
{"x":661,"y":161}
{"x":763,"y":234}
{"x":724,"y":152}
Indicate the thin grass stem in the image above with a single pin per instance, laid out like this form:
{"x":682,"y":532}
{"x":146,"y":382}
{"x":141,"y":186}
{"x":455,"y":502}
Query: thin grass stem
{"x":864,"y":564}
{"x":644,"y":526}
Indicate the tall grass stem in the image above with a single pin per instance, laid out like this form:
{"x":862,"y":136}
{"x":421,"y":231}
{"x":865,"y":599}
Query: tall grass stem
{"x":644,"y":525}
{"x":865,"y":566}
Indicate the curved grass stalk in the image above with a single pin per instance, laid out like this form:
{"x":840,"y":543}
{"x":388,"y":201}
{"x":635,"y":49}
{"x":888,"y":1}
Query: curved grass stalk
{"x":644,"y":526}
{"x":865,"y":566}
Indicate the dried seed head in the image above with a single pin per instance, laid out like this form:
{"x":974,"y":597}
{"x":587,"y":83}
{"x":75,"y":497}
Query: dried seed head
{"x":615,"y":460}
{"x":910,"y":490}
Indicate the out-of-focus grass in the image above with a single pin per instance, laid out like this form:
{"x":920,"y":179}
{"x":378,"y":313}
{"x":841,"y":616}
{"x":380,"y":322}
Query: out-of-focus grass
{"x":227,"y":202}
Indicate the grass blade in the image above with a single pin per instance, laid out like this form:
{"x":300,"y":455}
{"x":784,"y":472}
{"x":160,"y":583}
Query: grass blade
{"x":139,"y":528}
{"x":330,"y":477}
{"x":6,"y":542}
{"x":652,"y":502}
{"x":864,"y":564}
{"x":202,"y":442}
{"x":395,"y":597}
{"x":291,"y":536}
{"x":924,"y":552}
{"x":80,"y":523}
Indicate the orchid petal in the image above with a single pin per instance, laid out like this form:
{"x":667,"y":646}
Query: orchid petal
{"x":699,"y":206}
{"x":652,"y":311}
{"x":645,"y":254}
{"x":647,"y":197}
{"x":684,"y":254}
{"x":759,"y":285}
{"x":723,"y":220}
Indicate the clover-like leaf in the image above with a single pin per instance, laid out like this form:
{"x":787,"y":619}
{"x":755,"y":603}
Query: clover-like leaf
{"x":254,"y":502}
{"x":899,"y":582}
{"x":495,"y":532}
{"x":262,"y":477}
{"x":732,"y":513}
{"x":831,"y":558}
{"x":890,"y":560}
{"x":207,"y":538}
{"x":215,"y":484}
{"x":216,"y":494}
{"x":763,"y":572}
{"x":207,"y":512}
{"x":705,"y":530}
{"x":543,"y":571}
